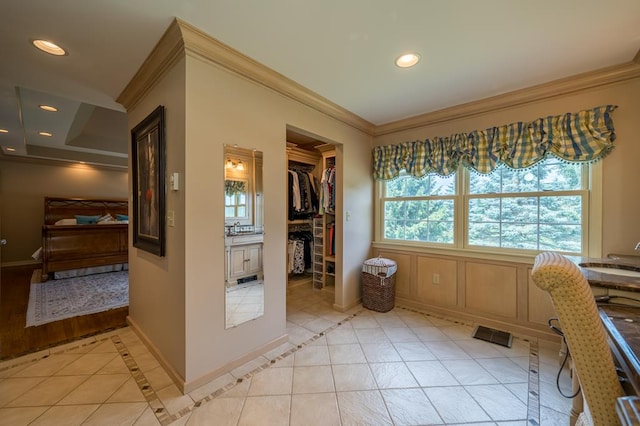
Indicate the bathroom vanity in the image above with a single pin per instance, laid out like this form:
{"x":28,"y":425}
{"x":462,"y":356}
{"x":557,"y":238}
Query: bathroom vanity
{"x":243,"y":257}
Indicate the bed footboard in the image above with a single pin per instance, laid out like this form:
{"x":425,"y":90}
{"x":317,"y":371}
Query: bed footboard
{"x":67,"y":247}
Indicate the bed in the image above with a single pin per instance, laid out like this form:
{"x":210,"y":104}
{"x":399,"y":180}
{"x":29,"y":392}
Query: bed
{"x":80,"y":233}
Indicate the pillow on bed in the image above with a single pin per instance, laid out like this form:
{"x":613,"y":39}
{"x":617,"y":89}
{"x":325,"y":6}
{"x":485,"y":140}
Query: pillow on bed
{"x":107,"y":218}
{"x":86,"y":220}
{"x":122,"y":217}
{"x":67,"y":222}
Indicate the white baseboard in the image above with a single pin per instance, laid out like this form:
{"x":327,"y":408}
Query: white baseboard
{"x":186,"y":387}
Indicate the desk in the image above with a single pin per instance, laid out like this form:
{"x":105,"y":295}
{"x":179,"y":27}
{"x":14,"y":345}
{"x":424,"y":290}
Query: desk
{"x":622,"y":324}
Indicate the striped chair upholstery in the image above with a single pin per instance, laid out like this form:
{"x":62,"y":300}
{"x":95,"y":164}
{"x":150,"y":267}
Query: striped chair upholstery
{"x":585,"y":335}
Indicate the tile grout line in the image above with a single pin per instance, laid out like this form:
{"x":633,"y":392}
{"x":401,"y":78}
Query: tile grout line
{"x":61,"y":349}
{"x":533,"y":389}
{"x":225,"y":388}
{"x":159,"y":410}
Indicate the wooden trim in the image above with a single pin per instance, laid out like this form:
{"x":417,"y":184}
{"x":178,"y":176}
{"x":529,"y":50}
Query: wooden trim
{"x":218,"y":372}
{"x":166,"y":53}
{"x":182,"y":39}
{"x":549,"y":90}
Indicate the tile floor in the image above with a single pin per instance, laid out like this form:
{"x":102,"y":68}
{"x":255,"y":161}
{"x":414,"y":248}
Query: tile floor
{"x":356,"y":368}
{"x":244,"y":302}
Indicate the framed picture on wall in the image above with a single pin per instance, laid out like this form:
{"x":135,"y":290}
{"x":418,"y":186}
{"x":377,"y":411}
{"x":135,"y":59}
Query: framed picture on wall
{"x":147,"y":152}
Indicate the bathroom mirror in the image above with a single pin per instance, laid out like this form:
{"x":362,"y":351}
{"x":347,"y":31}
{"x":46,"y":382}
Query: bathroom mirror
{"x":243,"y":235}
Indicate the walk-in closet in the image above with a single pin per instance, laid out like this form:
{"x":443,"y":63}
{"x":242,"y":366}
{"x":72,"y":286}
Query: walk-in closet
{"x":311,"y":174}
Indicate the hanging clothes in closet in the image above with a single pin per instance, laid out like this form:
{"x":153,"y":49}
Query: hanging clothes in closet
{"x":303,"y":194}
{"x":327,"y":192}
{"x":331,"y":246}
{"x":300,"y":249}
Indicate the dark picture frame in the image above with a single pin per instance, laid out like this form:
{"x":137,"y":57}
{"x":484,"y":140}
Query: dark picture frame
{"x":148,"y":160}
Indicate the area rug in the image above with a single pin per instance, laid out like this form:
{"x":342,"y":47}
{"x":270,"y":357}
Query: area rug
{"x":55,"y":300}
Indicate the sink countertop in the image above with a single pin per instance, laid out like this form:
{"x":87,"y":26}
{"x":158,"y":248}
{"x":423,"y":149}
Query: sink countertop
{"x":611,"y":281}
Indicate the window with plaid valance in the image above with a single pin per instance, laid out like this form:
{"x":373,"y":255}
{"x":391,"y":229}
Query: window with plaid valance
{"x":585,"y":136}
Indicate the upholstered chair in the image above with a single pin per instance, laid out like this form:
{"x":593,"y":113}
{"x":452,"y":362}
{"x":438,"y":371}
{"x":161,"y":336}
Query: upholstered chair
{"x":585,"y":335}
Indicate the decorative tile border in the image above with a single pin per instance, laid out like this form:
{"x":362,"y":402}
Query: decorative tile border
{"x":533,"y":394}
{"x":156,"y":405}
{"x":533,"y":390}
{"x":73,"y":345}
{"x":256,"y":370}
{"x":165,"y":418}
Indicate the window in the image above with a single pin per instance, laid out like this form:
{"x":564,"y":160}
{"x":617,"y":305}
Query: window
{"x":235,"y":199}
{"x":420,"y":209}
{"x":540,"y":208}
{"x":235,"y":205}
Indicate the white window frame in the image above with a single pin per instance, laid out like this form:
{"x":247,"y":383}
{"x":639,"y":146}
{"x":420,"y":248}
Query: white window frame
{"x":380,"y":190}
{"x":591,"y":217}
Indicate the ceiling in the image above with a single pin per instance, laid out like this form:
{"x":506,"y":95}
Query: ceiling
{"x":341,"y":49}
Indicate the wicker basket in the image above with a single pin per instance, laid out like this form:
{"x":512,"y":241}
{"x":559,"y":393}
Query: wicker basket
{"x":379,"y":289}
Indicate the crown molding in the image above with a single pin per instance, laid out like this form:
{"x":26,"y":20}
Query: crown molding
{"x":201,"y":45}
{"x":181,"y":39}
{"x":166,"y":53}
{"x":61,"y":162}
{"x":552,"y":89}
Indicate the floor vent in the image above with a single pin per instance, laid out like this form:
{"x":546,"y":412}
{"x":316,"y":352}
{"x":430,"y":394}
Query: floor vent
{"x":498,"y":337}
{"x":247,"y":279}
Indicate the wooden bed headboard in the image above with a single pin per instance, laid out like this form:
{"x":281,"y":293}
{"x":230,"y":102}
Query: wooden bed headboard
{"x":56,"y":208}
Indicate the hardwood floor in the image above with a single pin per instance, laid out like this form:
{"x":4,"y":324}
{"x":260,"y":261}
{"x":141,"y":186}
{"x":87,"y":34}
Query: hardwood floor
{"x":16,"y":340}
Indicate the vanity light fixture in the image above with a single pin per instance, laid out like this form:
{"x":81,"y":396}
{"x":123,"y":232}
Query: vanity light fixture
{"x":45,"y":134}
{"x":407,"y":60}
{"x":49,"y":47}
{"x":239,"y":166}
{"x":48,"y":108}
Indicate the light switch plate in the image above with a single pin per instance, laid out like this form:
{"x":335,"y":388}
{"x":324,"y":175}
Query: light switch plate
{"x":175,"y":181}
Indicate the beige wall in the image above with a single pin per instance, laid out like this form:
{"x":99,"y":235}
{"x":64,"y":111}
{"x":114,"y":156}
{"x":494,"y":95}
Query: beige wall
{"x":496,"y":290}
{"x":225,"y":109}
{"x":157,"y":284}
{"x":23,"y":186}
{"x":621,"y":173}
{"x":177,"y":302}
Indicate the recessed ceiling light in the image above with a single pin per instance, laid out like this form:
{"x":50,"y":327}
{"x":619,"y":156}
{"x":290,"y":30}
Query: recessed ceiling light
{"x":49,"y":47}
{"x":48,"y":108}
{"x":4,"y":131}
{"x":45,"y":134}
{"x":407,"y":60}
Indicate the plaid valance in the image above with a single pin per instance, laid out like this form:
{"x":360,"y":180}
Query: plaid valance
{"x":585,"y":136}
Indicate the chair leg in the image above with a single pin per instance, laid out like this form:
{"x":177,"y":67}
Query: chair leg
{"x":577,"y":405}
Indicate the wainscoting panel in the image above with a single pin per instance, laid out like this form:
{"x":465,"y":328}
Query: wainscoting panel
{"x":403,"y":276}
{"x":540,"y":305}
{"x":491,"y":288}
{"x":496,"y":293}
{"x":437,"y":281}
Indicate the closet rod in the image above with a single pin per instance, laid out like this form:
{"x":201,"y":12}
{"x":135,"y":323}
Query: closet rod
{"x":301,"y":167}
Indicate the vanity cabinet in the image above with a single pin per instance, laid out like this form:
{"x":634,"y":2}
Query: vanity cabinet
{"x":244,"y":258}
